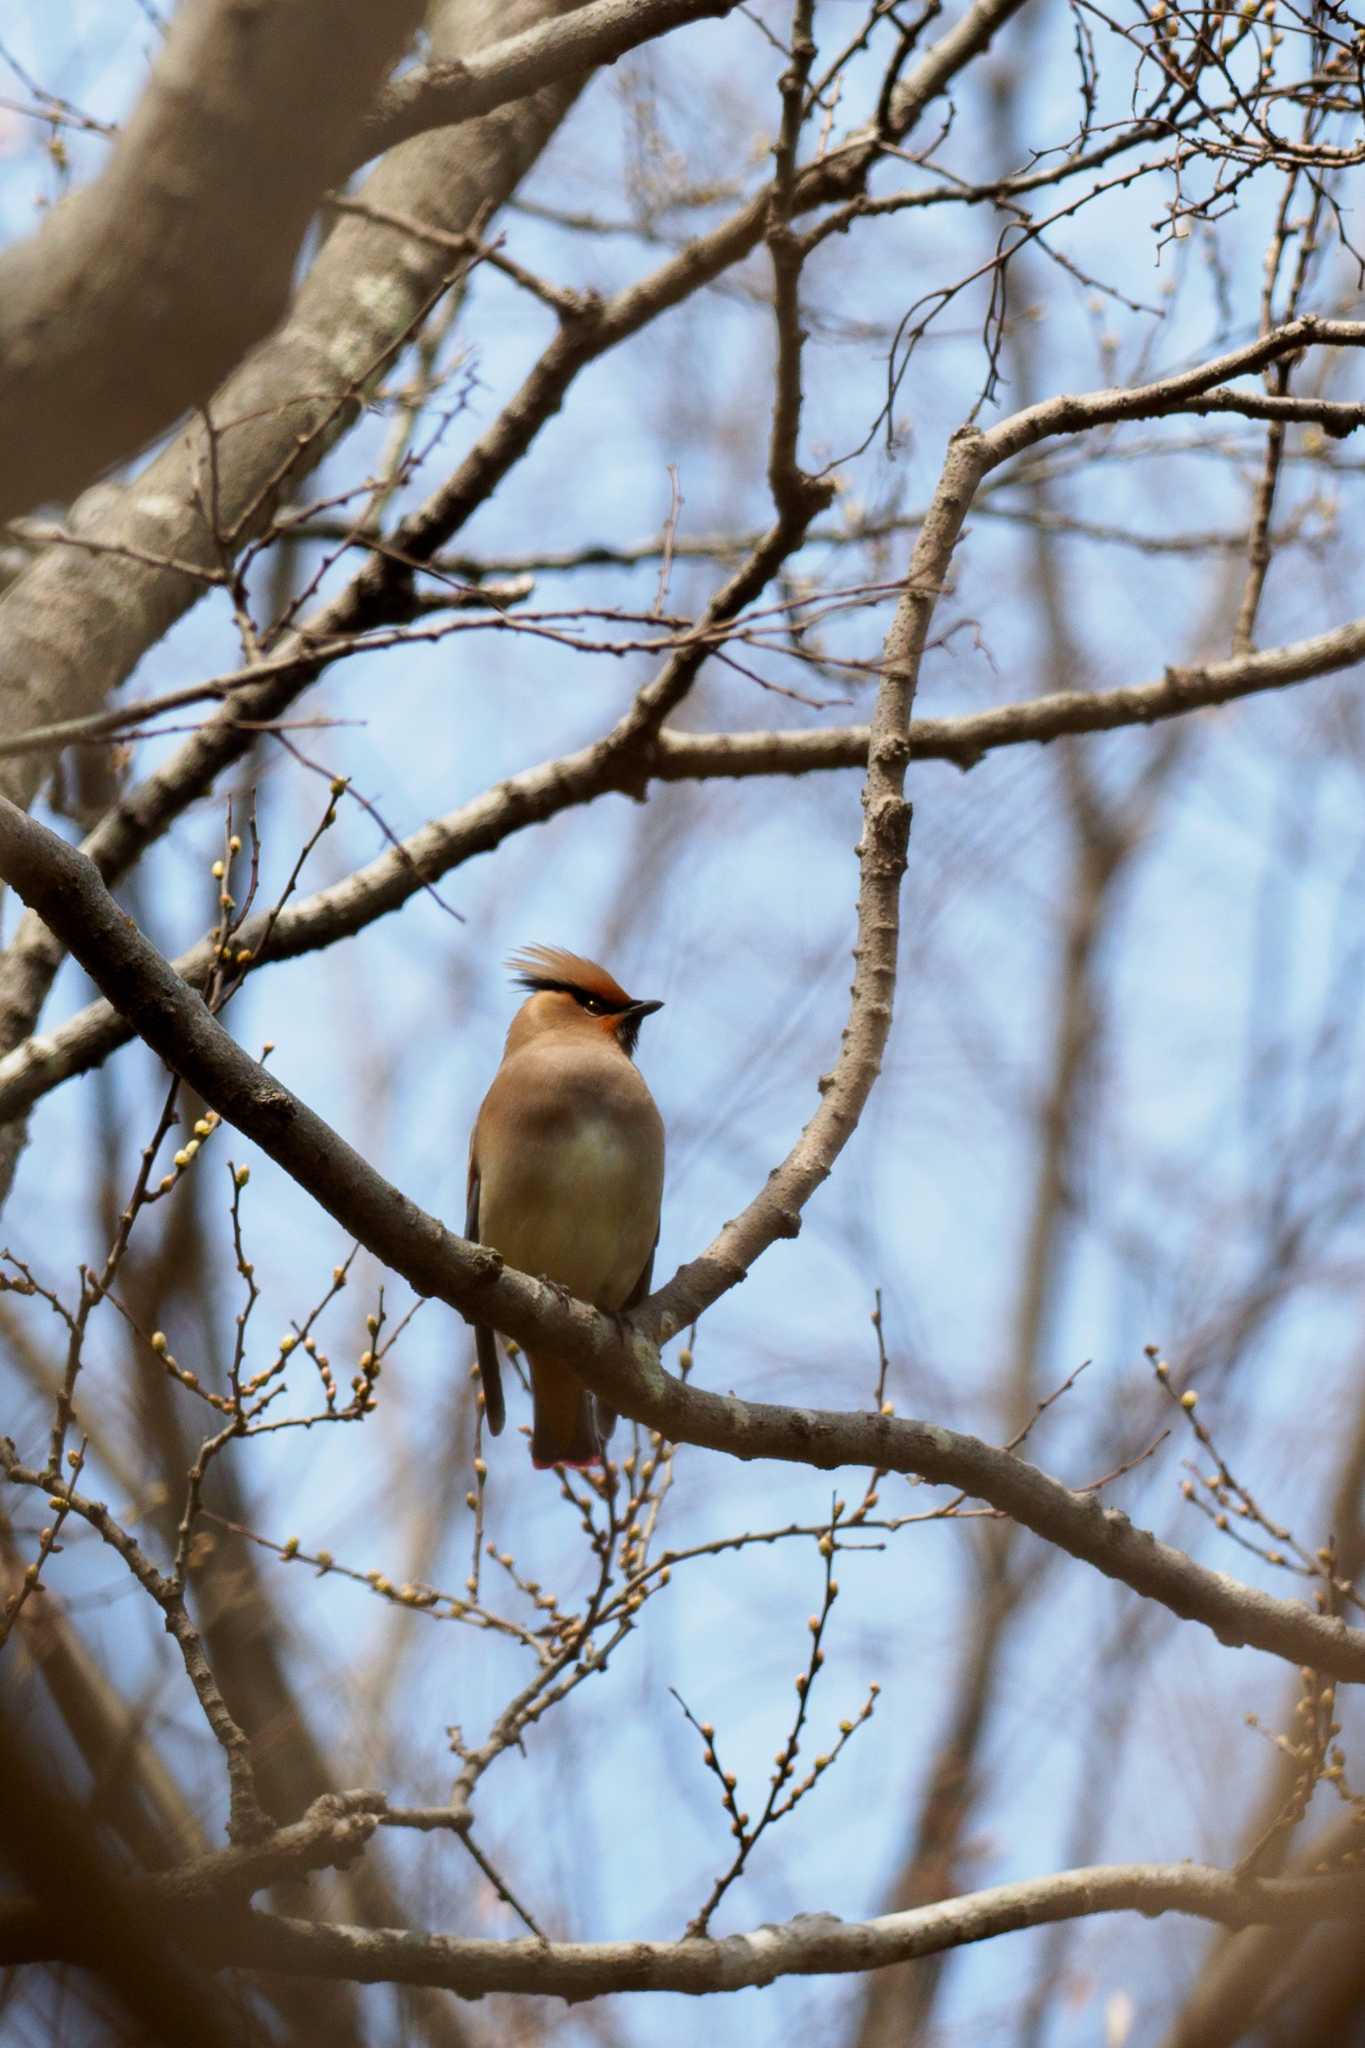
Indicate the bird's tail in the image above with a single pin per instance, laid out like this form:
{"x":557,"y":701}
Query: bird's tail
{"x":564,"y":1428}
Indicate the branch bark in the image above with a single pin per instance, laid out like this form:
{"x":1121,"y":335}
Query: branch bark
{"x":604,"y":768}
{"x":441,"y":95}
{"x":813,"y":1944}
{"x":620,"y":1360}
{"x":75,"y":625}
{"x":140,"y":291}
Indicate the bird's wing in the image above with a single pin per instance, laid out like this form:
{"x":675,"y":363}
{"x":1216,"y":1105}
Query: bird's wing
{"x":485,"y":1342}
{"x":606,"y":1417}
{"x":641,"y":1287}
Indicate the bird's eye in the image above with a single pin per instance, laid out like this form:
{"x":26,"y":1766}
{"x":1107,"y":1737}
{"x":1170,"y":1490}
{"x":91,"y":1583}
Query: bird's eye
{"x":591,"y":1004}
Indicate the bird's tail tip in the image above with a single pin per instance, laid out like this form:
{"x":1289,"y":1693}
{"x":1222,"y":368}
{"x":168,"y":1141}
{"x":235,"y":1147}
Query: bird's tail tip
{"x":578,"y":1446}
{"x":564,"y":1428}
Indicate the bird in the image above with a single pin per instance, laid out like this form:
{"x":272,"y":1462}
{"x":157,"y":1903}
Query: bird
{"x":566,"y":1173}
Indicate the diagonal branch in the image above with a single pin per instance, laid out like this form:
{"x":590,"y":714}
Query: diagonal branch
{"x":610,"y":766}
{"x":282,"y":401}
{"x":285,"y":411}
{"x":442,"y":94}
{"x":618,"y":1360}
{"x":249,"y":115}
{"x":76,"y":626}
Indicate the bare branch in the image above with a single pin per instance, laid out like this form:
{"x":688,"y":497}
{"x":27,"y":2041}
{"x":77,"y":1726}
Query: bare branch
{"x":669,"y":756}
{"x":250,"y":114}
{"x":814,"y":1944}
{"x":248,"y":1822}
{"x":441,"y":95}
{"x":619,"y":1361}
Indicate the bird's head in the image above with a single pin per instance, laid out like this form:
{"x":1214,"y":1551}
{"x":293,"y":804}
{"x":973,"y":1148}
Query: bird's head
{"x":568,"y":993}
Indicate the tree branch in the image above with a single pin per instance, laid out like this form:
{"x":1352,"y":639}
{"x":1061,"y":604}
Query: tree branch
{"x":441,"y":95}
{"x":964,"y":741}
{"x":388,"y":882}
{"x":76,"y":625}
{"x":250,"y":113}
{"x":812,"y":1944}
{"x":620,"y":1360}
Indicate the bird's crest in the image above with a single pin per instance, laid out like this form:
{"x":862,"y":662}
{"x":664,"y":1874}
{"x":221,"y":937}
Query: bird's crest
{"x":549,"y":967}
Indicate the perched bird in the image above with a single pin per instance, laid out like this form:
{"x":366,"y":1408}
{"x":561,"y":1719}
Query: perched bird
{"x":566,"y":1173}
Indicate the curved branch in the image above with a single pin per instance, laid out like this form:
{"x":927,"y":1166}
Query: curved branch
{"x":251,"y":112}
{"x":1185,"y":391}
{"x":815,"y":1944}
{"x":620,"y":1360}
{"x":606,"y":768}
{"x":812,"y":1944}
{"x":964,"y":741}
{"x":441,"y":95}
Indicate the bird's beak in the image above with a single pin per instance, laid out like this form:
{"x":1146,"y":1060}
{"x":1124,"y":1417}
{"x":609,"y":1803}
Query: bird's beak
{"x":642,"y":1009}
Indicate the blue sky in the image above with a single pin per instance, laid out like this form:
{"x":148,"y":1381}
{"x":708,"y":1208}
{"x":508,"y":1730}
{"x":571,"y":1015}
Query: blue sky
{"x":1228,"y":950}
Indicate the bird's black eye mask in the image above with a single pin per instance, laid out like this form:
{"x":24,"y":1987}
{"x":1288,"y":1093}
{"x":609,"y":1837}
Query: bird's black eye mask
{"x":631,"y":1014}
{"x":595,"y":1005}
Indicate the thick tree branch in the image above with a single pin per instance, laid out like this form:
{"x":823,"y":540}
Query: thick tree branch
{"x":607,"y":768}
{"x":140,"y":291}
{"x":813,"y":1944}
{"x":287,"y":401}
{"x":618,"y":1361}
{"x":75,"y":624}
{"x":689,"y":756}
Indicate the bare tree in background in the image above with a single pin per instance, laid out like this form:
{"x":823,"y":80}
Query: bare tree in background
{"x":711,"y":426}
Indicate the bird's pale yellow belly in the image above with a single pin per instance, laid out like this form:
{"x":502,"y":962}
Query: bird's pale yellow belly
{"x":571,"y":1207}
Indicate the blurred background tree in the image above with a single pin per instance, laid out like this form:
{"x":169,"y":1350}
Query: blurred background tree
{"x":508,"y":434}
